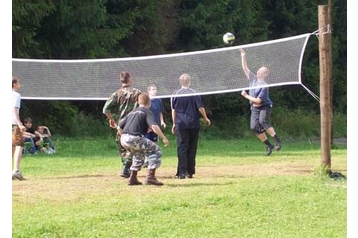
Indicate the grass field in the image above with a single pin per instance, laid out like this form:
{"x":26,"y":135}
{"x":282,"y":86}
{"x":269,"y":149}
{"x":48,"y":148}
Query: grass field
{"x":236,"y":192}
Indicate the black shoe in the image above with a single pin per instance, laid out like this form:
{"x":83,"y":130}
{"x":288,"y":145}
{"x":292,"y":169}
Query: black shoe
{"x":269,"y":149}
{"x":278,"y":145}
{"x":190,"y":176}
{"x":181,"y":176}
{"x":125,"y":173}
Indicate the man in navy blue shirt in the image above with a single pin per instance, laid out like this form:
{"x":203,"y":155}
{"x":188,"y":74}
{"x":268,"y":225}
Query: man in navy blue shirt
{"x":261,"y":105}
{"x":186,"y":112}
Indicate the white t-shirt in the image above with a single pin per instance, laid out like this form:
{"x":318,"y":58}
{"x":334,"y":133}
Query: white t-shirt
{"x":16,"y":102}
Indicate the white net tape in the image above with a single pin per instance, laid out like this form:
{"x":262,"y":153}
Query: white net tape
{"x":212,"y":71}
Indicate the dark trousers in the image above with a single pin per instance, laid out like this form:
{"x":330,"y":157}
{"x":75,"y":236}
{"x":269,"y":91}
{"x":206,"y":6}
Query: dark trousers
{"x":187,"y":141}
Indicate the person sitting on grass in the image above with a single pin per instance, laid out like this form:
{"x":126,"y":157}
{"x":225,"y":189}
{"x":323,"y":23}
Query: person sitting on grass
{"x":45,"y":144}
{"x":31,"y":136}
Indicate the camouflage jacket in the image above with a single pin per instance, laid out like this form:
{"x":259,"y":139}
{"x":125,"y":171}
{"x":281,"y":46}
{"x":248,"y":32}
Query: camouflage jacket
{"x":122,"y":102}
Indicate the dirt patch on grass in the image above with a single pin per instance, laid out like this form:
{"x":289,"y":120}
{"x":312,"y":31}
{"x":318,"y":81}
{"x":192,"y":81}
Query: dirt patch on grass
{"x":80,"y":187}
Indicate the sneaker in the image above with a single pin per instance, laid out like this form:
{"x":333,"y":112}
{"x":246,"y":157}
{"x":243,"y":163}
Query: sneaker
{"x":278,"y":145}
{"x":269,"y":149}
{"x":17,"y":175}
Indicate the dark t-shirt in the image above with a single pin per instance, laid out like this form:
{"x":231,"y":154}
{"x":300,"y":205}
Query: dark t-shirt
{"x":30,"y":130}
{"x":262,"y":92}
{"x":137,"y":122}
{"x":156,"y":106}
{"x":187,"y":109}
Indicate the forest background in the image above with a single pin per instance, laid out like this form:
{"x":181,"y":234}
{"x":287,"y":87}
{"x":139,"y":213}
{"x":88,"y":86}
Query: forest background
{"x":96,"y":29}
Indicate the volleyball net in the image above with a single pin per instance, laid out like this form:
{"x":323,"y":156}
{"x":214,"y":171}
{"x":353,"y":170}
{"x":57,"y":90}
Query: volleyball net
{"x":212,"y":71}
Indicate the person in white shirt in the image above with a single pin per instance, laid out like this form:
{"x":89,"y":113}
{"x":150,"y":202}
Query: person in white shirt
{"x":17,"y":129}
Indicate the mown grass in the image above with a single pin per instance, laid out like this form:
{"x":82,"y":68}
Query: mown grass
{"x":236,"y":192}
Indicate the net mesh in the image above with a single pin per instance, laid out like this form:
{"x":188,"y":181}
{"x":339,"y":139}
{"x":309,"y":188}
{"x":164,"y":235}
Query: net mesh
{"x":212,"y":71}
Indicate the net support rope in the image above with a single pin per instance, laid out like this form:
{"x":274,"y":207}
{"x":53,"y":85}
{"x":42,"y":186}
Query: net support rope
{"x":212,"y":71}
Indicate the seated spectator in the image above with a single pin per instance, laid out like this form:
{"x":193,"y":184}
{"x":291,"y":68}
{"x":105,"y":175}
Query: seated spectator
{"x":30,"y":137}
{"x":45,"y":143}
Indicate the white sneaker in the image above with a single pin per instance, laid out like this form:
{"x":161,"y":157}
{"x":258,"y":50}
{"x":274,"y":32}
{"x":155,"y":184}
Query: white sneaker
{"x":17,"y":175}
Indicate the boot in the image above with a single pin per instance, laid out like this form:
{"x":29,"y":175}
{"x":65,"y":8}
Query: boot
{"x":151,"y":179}
{"x":125,"y":172}
{"x":133,"y":179}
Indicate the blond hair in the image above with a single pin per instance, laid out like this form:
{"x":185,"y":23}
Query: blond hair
{"x":184,"y":80}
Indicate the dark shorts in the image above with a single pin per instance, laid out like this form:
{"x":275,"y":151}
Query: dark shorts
{"x":17,"y":136}
{"x":260,"y":119}
{"x":152,"y":136}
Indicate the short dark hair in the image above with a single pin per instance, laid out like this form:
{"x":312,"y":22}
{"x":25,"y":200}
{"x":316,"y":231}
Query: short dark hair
{"x":124,"y":77}
{"x":143,"y":99}
{"x":27,"y":119}
{"x":15,"y":80}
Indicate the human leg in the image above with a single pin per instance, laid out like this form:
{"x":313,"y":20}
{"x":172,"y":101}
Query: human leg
{"x":29,"y":146}
{"x":264,"y":120}
{"x":193,"y":144}
{"x":257,"y":128}
{"x":153,"y":137}
{"x":125,"y":158}
{"x":18,"y":145}
{"x":154,"y":153}
{"x":182,"y":152}
{"x":274,"y":135}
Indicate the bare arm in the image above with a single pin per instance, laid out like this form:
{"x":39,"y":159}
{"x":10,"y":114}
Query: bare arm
{"x":38,"y":134}
{"x":203,"y":114}
{"x":159,"y":132}
{"x":256,"y":102}
{"x":17,"y":118}
{"x":162,"y":123}
{"x":48,"y":131}
{"x":112,"y":122}
{"x":28,"y":134}
{"x":173,"y":118}
{"x":245,"y":67}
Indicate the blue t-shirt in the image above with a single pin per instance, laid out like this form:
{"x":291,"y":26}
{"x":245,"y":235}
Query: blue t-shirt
{"x":261,"y":90}
{"x":156,"y":106}
{"x":187,"y":109}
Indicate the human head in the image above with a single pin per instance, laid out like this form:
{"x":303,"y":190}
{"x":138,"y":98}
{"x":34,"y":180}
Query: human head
{"x":40,"y":129}
{"x":152,"y":90}
{"x":262,"y":73}
{"x":184,"y":80}
{"x":125,"y":78}
{"x":15,"y":82}
{"x":143,"y":99}
{"x":28,"y":122}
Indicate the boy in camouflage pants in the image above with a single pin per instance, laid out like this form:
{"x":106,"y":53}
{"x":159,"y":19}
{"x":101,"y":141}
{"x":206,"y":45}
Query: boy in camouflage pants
{"x":118,"y":105}
{"x":133,"y":129}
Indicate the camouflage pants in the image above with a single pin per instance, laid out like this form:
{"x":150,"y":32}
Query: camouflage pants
{"x":140,"y":147}
{"x":126,"y":157}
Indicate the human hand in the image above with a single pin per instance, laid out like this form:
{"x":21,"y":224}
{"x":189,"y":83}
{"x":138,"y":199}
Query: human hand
{"x":208,"y":122}
{"x":165,"y":141}
{"x":112,"y":123}
{"x":173,"y":129}
{"x":163,"y":124}
{"x":244,"y":93}
{"x":22,"y":128}
{"x":243,"y":53}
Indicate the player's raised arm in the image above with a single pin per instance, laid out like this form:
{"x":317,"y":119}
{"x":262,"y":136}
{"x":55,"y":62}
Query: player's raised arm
{"x":245,"y":67}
